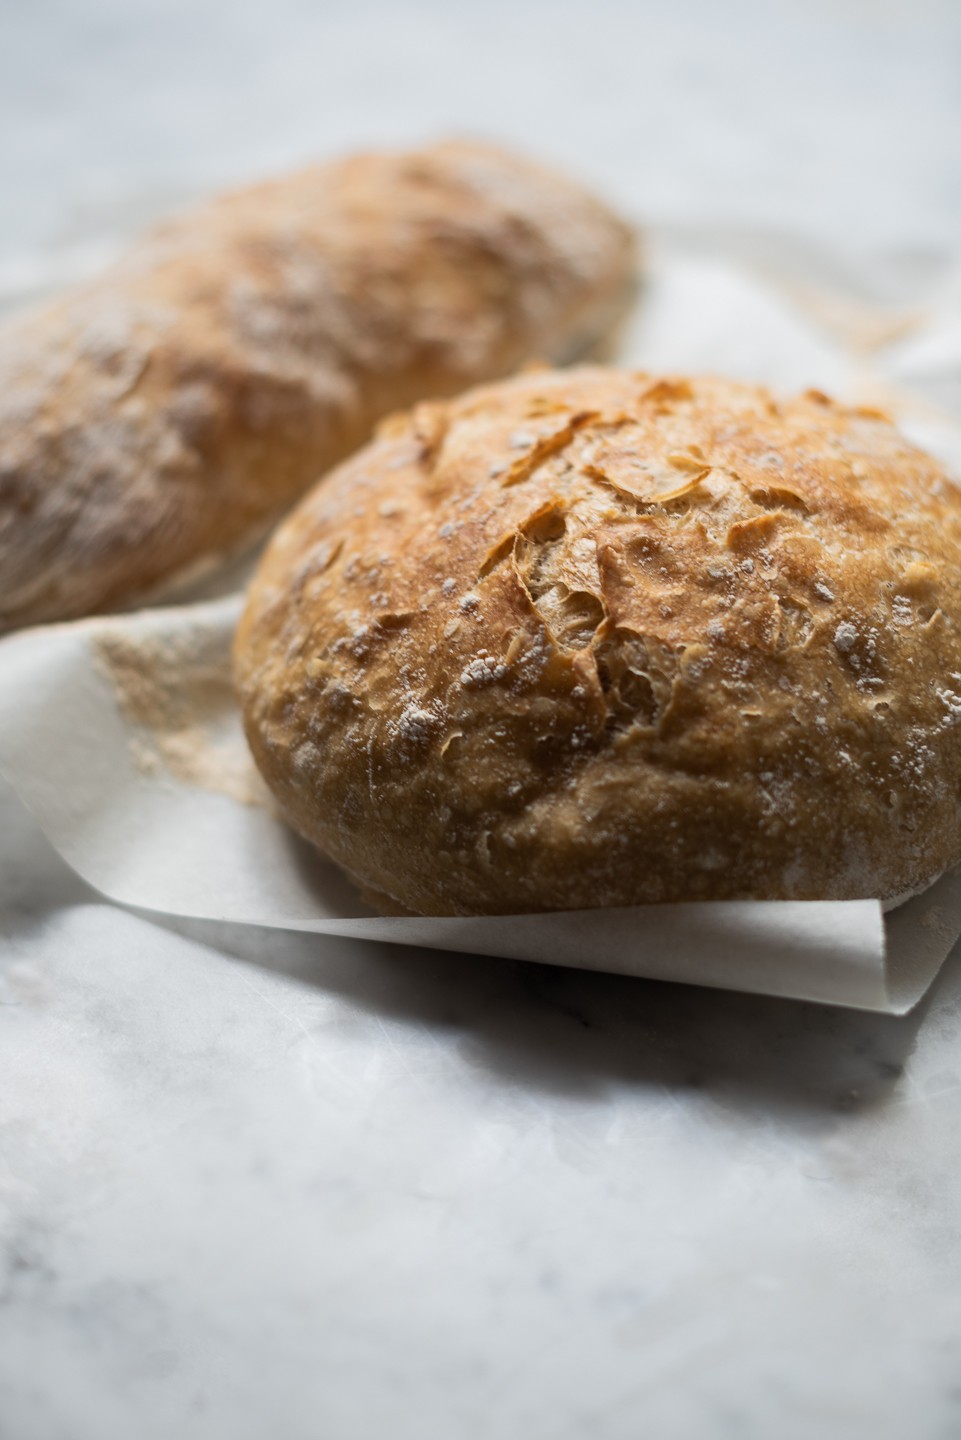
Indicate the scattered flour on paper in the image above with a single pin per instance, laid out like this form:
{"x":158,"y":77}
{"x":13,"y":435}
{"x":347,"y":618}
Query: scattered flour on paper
{"x":176,"y":694}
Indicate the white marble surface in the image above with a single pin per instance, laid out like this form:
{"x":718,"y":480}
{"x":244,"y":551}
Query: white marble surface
{"x":256,"y":1185}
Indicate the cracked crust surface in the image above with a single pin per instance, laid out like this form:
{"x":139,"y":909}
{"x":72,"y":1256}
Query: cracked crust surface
{"x":161,"y":418}
{"x":593,"y":638}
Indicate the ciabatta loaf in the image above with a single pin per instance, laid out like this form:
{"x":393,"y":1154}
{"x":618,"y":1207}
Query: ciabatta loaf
{"x":160,"y":419}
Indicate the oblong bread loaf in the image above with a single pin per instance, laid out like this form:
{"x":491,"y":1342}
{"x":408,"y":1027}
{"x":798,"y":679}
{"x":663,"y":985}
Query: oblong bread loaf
{"x":159,"y":419}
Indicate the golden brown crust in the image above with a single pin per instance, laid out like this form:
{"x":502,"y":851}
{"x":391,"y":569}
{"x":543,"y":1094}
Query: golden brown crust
{"x":593,"y":638}
{"x":167,"y":413}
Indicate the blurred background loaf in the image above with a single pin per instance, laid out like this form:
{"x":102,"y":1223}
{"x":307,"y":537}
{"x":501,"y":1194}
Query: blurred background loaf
{"x":155,"y":421}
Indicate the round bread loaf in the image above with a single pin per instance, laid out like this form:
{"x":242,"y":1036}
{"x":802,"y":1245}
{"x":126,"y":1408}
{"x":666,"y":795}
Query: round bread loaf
{"x":158,"y":420}
{"x":595,"y":638}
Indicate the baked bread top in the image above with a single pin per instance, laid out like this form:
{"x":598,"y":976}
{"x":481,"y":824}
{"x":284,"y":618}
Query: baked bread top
{"x":159,"y":419}
{"x":598,"y":638}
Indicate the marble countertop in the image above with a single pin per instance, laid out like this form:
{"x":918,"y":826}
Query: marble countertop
{"x":258,"y":1184}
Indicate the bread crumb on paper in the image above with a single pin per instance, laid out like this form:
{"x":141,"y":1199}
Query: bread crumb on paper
{"x":174,"y":691}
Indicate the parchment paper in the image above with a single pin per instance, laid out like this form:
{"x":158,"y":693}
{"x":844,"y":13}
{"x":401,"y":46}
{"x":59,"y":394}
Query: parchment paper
{"x":121,"y":734}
